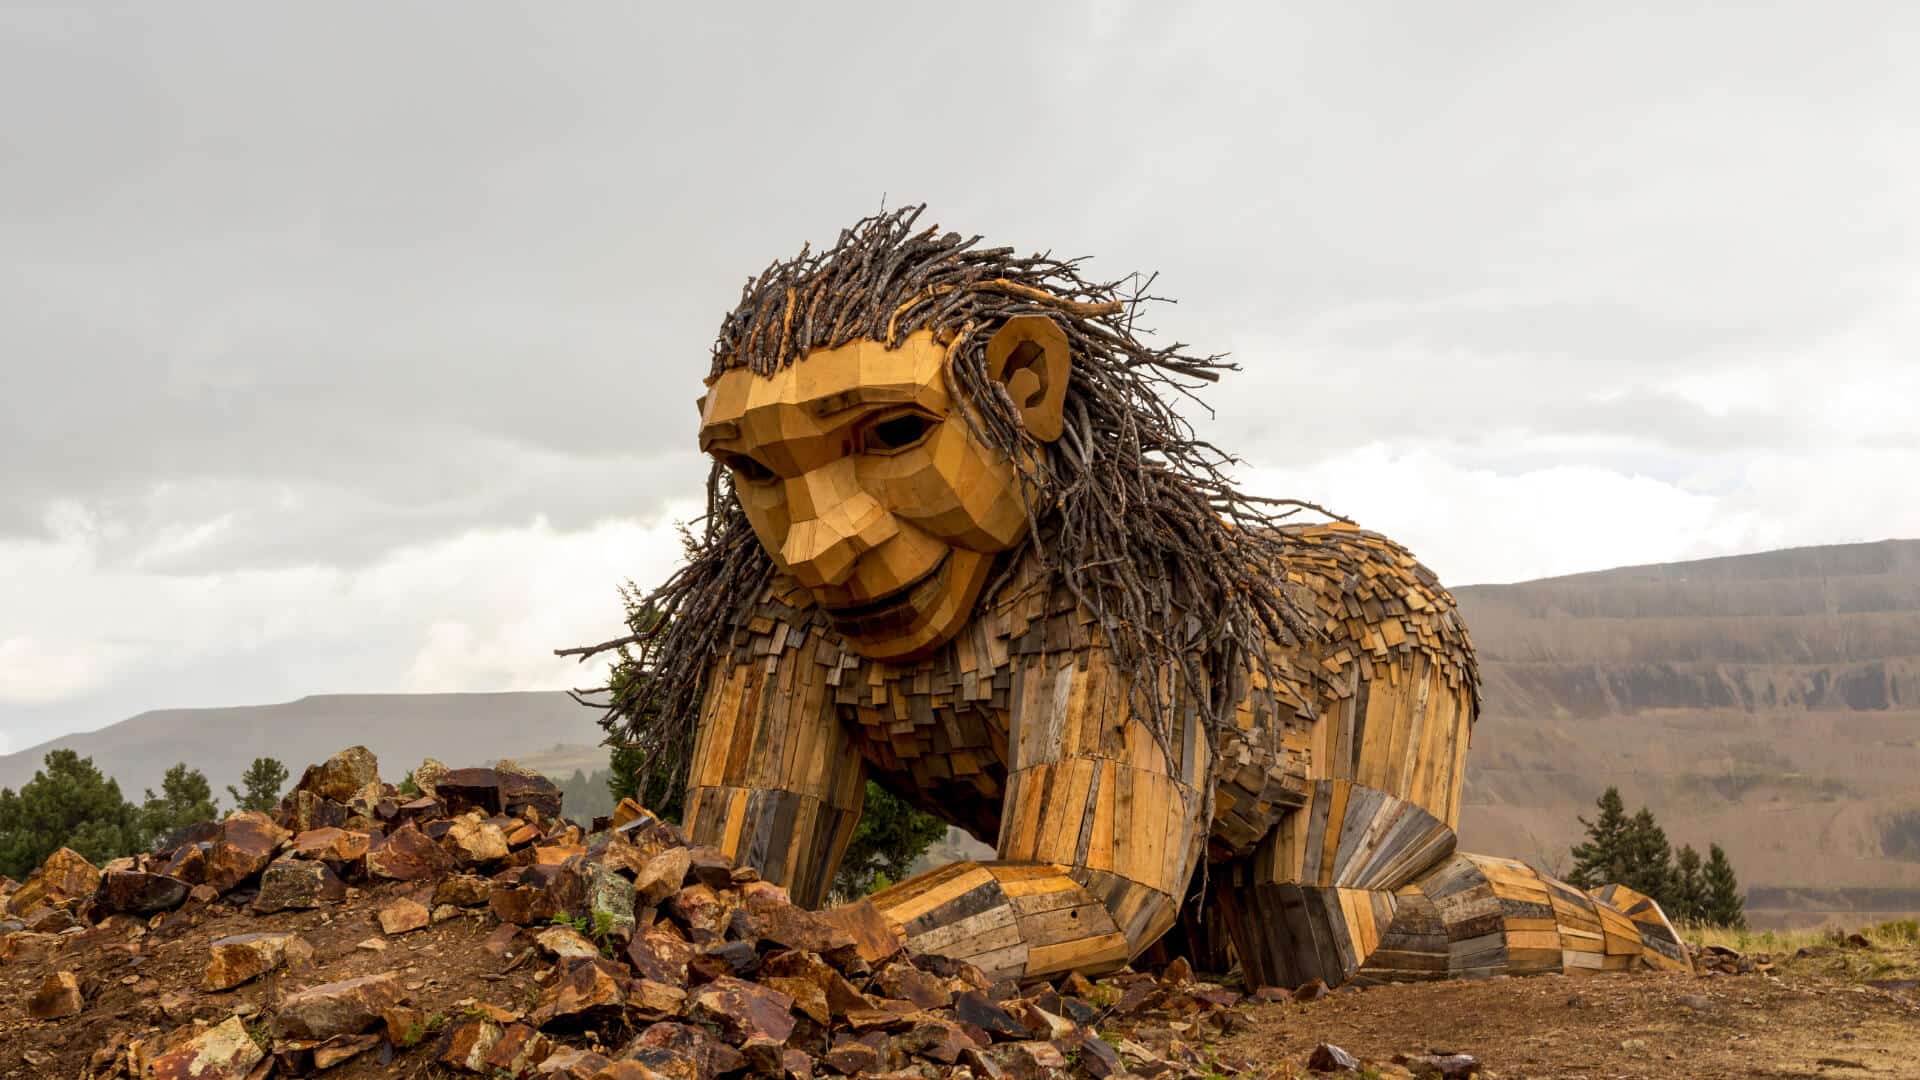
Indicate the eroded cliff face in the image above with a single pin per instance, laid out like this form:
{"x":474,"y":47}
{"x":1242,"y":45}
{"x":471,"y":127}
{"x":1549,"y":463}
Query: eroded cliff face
{"x":1770,"y":702}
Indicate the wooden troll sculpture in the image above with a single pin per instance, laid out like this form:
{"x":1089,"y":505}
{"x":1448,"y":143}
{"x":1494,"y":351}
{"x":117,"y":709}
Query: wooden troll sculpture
{"x":960,"y":543}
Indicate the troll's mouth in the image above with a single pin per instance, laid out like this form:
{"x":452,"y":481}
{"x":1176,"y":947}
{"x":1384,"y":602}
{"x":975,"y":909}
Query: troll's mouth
{"x":902,"y":604}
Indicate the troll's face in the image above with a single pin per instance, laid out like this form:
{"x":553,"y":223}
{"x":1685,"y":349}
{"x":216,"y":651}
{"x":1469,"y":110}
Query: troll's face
{"x":865,"y":483}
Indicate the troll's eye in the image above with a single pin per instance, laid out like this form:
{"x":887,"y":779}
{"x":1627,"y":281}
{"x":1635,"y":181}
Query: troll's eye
{"x":747,"y":468}
{"x":896,"y":433}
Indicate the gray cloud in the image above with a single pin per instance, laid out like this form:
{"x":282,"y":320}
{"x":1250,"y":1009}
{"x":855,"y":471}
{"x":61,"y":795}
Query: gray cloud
{"x":296,"y":287}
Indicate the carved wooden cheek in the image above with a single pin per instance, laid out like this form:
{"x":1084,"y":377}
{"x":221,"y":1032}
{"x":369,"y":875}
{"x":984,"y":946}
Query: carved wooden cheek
{"x":954,"y":487}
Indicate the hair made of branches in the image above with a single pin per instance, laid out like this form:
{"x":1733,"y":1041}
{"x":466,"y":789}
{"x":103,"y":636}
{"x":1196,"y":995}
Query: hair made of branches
{"x":1129,"y":509}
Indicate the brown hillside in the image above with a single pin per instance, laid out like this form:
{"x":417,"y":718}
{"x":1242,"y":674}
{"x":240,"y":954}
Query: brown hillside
{"x":1770,"y":702}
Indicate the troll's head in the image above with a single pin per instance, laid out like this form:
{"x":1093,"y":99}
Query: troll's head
{"x":861,"y":477}
{"x":896,"y":419}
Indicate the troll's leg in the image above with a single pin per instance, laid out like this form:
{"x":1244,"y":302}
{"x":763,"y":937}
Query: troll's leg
{"x":1473,"y":916}
{"x":775,"y":782}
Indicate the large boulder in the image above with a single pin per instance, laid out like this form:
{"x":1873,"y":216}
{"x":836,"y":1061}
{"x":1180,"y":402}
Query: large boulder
{"x":241,"y":958}
{"x":137,"y":893}
{"x":221,"y":1052}
{"x":304,"y":811}
{"x":188,"y":862}
{"x":661,"y":876}
{"x":66,"y":876}
{"x":583,"y":993}
{"x":245,"y":846}
{"x":540,"y":893}
{"x":428,"y":776}
{"x":333,"y":845}
{"x":660,"y":956}
{"x":406,"y":855}
{"x":403,"y":915}
{"x":462,"y":890}
{"x":343,"y":776}
{"x":468,"y":789}
{"x":768,"y":916}
{"x":347,"y":1007}
{"x":57,"y":996}
{"x":291,"y":883}
{"x":610,"y":901}
{"x":474,"y":841}
{"x":674,"y":1049}
{"x":742,"y":1010}
{"x":523,"y":790}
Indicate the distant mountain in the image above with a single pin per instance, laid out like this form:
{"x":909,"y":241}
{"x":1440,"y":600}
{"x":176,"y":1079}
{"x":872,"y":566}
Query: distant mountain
{"x":1770,"y":702}
{"x":459,"y":729}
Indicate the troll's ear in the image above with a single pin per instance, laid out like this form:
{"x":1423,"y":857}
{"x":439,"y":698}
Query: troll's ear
{"x":1029,"y":354}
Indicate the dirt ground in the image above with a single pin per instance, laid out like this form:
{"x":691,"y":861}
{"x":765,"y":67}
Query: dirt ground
{"x":1801,"y":1024}
{"x":150,"y":983}
{"x":1818,"y":1016}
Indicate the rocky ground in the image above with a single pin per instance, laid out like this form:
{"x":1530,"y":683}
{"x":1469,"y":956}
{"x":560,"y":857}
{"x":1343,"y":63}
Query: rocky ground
{"x":470,"y":930}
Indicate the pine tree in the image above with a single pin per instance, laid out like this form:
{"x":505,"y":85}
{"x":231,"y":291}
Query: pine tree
{"x":263,"y":781}
{"x":585,"y":797}
{"x":890,"y":836}
{"x":1689,"y":888}
{"x":185,"y":799}
{"x":1649,"y":859}
{"x":656,"y":791}
{"x":66,"y":804}
{"x":1725,"y":906}
{"x":1602,"y":859}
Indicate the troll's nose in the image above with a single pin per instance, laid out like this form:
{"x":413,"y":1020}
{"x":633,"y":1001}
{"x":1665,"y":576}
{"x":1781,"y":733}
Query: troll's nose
{"x":833,"y":523}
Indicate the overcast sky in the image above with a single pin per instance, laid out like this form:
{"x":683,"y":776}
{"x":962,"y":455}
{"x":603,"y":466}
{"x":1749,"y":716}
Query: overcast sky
{"x":352,"y":347}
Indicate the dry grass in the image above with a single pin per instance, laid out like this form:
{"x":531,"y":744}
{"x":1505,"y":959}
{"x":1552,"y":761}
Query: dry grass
{"x":1891,"y":950}
{"x":1902,"y":933}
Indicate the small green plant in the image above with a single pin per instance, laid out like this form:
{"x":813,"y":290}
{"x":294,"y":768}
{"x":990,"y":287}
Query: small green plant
{"x":598,"y":930}
{"x":603,"y":935}
{"x":407,"y":787}
{"x":257,"y":1031}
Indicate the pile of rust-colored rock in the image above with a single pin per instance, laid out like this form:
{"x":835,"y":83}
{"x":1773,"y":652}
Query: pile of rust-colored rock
{"x":641,"y":955}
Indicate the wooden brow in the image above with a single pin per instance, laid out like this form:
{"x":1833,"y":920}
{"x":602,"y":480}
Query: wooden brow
{"x":861,"y":395}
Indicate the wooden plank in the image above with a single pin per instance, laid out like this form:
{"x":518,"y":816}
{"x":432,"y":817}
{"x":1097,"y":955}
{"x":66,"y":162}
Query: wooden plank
{"x":1065,"y":924}
{"x":1382,"y":703}
{"x":919,"y":895}
{"x":1323,"y":831}
{"x":1100,"y":845}
{"x":994,"y":928}
{"x":1393,"y":766}
{"x":1095,"y":955}
{"x":1456,"y":773}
